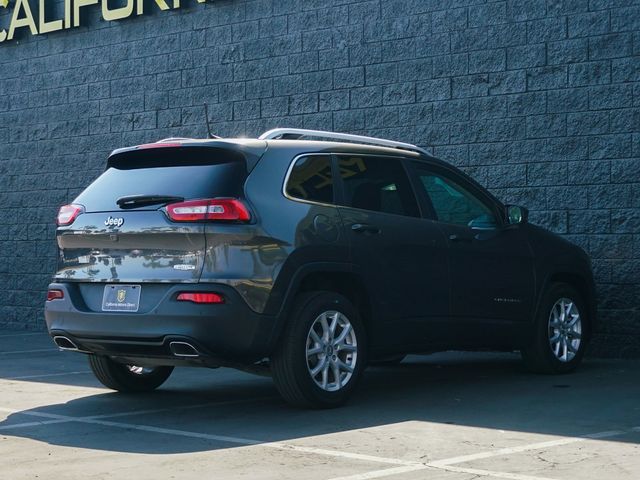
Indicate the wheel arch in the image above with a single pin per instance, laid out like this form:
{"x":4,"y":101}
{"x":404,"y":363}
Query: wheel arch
{"x":334,"y":277}
{"x":584,"y":285}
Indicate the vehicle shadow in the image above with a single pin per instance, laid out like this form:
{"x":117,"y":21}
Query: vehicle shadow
{"x":486,"y":391}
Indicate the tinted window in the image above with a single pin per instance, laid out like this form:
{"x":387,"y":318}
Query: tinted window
{"x":453,"y":203}
{"x":192,"y":175}
{"x":310,"y":179}
{"x":377,"y":183}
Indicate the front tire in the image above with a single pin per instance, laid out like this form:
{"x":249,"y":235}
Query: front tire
{"x":561,"y":332}
{"x":322,"y":353}
{"x":127,"y":378}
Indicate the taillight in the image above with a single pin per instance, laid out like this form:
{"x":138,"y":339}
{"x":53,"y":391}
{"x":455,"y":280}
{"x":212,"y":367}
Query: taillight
{"x":200,"y":297}
{"x":68,"y":213}
{"x":55,"y":295}
{"x":227,"y":209}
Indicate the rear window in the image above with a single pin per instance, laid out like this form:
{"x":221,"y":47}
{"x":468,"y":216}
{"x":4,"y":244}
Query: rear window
{"x":183,"y":172}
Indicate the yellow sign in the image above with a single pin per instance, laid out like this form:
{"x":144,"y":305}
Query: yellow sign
{"x":23,"y":15}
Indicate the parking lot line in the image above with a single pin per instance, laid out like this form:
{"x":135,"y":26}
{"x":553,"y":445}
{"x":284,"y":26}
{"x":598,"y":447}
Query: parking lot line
{"x":491,"y":473}
{"x":30,"y":351}
{"x":524,"y":448}
{"x":22,"y":334}
{"x":448,"y":464}
{"x":387,"y":472}
{"x":47,"y":375}
{"x":402,"y":466}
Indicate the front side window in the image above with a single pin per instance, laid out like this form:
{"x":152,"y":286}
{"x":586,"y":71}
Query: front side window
{"x":379,"y":184}
{"x":453,"y":203}
{"x":310,"y":179}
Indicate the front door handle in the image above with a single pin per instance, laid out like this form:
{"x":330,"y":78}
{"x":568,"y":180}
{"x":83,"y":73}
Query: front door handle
{"x":456,"y":237}
{"x":365,"y":228}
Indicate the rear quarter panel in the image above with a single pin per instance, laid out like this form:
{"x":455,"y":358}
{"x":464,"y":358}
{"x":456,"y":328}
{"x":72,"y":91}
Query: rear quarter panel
{"x":260,"y":259}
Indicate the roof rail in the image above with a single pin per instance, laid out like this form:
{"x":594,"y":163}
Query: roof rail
{"x":296,"y":133}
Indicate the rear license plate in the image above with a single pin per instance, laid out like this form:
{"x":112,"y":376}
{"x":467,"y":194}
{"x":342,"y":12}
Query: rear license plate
{"x":121,"y":298}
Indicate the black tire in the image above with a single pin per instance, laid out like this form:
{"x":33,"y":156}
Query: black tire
{"x":289,"y":366}
{"x":539,"y":356}
{"x":390,"y":361}
{"x":118,"y":376}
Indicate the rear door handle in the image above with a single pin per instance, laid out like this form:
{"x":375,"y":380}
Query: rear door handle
{"x":365,"y":228}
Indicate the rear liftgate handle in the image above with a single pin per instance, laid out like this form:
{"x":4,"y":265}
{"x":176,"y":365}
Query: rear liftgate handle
{"x":365,"y":228}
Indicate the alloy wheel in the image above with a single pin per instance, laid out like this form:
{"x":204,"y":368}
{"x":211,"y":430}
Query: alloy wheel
{"x":332,"y":351}
{"x":565,"y":329}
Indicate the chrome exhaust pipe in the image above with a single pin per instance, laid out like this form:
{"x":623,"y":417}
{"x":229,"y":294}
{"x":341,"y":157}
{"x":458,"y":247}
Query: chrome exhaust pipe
{"x":64,"y":343}
{"x":183,"y":349}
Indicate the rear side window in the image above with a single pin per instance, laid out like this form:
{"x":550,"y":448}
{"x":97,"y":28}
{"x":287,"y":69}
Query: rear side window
{"x":378,"y":184}
{"x":310,"y":179}
{"x":190,"y":173}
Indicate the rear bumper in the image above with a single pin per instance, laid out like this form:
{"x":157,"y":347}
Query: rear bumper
{"x":224,"y":333}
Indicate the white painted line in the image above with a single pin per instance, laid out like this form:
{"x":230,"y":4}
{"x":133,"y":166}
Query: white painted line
{"x":46,"y":375}
{"x":30,"y":351}
{"x":523,"y":448}
{"x":404,"y":466}
{"x":383,"y":473}
{"x":32,"y":424}
{"x":22,"y":334}
{"x":340,"y":454}
{"x":490,"y":473}
{"x":447,"y":464}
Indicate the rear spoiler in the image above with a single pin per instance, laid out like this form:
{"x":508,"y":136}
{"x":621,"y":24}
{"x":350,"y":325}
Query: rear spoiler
{"x":186,"y":151}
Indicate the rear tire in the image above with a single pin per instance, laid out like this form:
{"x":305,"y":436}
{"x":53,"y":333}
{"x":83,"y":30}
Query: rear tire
{"x":561,"y":332}
{"x":322,"y":352}
{"x":127,"y":378}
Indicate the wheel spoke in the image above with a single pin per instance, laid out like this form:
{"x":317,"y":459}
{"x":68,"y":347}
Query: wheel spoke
{"x":345,"y":347}
{"x":343,"y":366}
{"x":555,"y":337}
{"x":575,"y":318}
{"x":325,"y":327}
{"x":334,"y":325}
{"x":325,"y":376}
{"x":343,"y":335}
{"x":314,"y":351}
{"x":322,"y":364}
{"x":336,"y":375}
{"x":314,"y":336}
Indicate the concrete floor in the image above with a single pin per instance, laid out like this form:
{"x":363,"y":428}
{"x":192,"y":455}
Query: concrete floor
{"x":446,"y":416}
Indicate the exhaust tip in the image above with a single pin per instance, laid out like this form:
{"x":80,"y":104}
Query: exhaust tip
{"x":64,"y":343}
{"x":183,"y":349}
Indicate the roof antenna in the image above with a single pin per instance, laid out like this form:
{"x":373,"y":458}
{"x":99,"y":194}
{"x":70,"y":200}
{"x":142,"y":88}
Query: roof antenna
{"x":206,"y":117}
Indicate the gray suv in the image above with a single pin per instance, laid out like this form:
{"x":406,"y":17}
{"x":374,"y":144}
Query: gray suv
{"x":306,"y":255}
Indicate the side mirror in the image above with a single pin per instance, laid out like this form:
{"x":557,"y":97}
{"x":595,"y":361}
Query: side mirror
{"x":516,"y":214}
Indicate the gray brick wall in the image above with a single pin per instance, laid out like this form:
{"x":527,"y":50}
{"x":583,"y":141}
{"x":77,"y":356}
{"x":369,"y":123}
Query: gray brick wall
{"x":537,"y":99}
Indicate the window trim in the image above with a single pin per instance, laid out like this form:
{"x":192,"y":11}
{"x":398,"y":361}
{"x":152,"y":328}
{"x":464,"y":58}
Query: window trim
{"x":290,"y":170}
{"x":459,"y":178}
{"x":339,"y":196}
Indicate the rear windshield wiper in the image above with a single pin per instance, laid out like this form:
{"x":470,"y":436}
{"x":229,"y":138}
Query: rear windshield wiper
{"x":131,"y":201}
